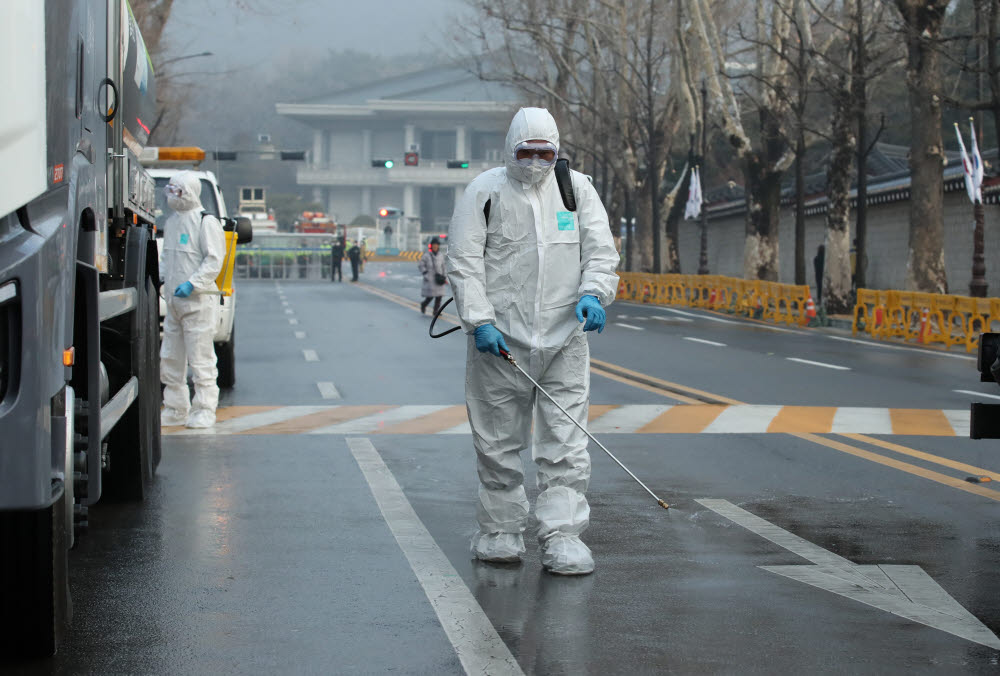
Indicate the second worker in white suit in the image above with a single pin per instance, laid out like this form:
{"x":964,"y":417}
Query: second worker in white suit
{"x":531,"y":277}
{"x":193,"y":249}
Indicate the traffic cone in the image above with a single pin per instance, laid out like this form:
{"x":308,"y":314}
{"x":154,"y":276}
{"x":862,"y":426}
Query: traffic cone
{"x":810,"y":311}
{"x":922,"y":338}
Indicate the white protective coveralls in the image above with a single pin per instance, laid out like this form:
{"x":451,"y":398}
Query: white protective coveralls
{"x":524,"y":272}
{"x":193,"y":251}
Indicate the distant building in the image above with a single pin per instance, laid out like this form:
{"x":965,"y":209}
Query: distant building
{"x":444,"y":114}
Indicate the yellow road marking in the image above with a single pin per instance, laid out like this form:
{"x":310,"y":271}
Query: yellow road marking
{"x":902,"y":466}
{"x":231,"y":412}
{"x":920,"y":423}
{"x":914,"y":453}
{"x":314,"y":421}
{"x":795,"y":419}
{"x":683,"y":420}
{"x":615,"y":368}
{"x":642,"y":386}
{"x":431,"y":423}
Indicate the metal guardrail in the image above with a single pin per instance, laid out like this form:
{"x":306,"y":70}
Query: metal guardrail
{"x":924,"y":317}
{"x":771,"y":301}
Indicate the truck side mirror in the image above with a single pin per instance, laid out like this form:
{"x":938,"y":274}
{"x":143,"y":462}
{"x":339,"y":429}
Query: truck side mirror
{"x":244,"y":231}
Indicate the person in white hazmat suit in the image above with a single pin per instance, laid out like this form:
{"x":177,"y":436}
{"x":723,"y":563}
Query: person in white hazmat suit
{"x":528,"y":277}
{"x":194,"y":246}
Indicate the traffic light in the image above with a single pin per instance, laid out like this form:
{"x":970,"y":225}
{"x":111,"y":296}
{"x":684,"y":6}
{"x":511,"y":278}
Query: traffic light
{"x":224,"y":155}
{"x":388,"y":164}
{"x":293,"y":155}
{"x":458,"y":164}
{"x":389,"y":212}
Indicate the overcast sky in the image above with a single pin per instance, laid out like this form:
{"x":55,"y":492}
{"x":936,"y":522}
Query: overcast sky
{"x":275,"y":27}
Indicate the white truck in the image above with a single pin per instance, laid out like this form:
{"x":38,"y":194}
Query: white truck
{"x":79,"y":346}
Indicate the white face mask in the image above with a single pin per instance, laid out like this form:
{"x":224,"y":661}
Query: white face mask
{"x":535,"y":170}
{"x":176,"y":203}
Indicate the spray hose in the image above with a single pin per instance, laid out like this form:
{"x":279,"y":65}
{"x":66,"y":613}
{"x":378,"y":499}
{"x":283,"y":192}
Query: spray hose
{"x":513,"y":362}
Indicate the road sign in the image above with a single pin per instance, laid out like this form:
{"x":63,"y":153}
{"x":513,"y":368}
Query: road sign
{"x":411,"y":159}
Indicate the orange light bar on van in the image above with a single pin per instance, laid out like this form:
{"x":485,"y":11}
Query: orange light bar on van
{"x":180,"y":154}
{"x":69,"y":356}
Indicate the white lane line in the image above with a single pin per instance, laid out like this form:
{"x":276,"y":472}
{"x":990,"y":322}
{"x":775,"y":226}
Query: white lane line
{"x":300,"y":334}
{"x":289,"y":311}
{"x":293,"y":322}
{"x":627,"y":418}
{"x":978,"y":394}
{"x":310,"y":355}
{"x":477,"y":644}
{"x":960,"y":421}
{"x":672,"y":319}
{"x":697,"y":316}
{"x":743,"y":420}
{"x":464,"y":428}
{"x":704,"y":342}
{"x":857,"y":420}
{"x":818,"y":363}
{"x":930,"y":353}
{"x":328,"y":390}
{"x":628,"y":326}
{"x":377,"y":421}
{"x":284,"y":302}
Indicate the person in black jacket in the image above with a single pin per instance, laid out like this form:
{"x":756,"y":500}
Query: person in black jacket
{"x":337,"y":256}
{"x":354,"y":254}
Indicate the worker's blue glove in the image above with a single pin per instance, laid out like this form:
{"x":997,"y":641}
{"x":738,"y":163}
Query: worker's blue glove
{"x":590,"y":308}
{"x":488,"y":339}
{"x":184,"y":290}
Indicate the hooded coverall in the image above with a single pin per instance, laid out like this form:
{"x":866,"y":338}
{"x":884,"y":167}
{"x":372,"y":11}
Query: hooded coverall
{"x":193,"y":250}
{"x":523,"y":271}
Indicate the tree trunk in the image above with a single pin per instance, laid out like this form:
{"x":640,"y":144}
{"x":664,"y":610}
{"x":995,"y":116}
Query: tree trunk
{"x":923,"y":20}
{"x":674,"y":214}
{"x":629,"y":200}
{"x":837,"y":270}
{"x":646,"y":244}
{"x":763,"y":185}
{"x":800,"y":206}
{"x":760,"y":253}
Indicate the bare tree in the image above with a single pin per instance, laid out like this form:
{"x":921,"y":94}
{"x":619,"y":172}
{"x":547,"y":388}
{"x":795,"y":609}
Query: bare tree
{"x":604,"y":68}
{"x":766,"y":160}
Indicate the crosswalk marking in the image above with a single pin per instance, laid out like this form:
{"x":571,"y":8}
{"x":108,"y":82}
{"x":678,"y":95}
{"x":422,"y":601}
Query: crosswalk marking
{"x":604,"y":419}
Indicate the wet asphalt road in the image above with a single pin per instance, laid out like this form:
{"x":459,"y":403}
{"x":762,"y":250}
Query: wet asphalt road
{"x":267,"y":553}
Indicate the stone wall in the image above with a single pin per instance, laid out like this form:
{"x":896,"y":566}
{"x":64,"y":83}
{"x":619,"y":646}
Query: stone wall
{"x":888,"y":234}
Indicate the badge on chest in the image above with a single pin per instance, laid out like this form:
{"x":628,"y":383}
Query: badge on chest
{"x":565,"y":220}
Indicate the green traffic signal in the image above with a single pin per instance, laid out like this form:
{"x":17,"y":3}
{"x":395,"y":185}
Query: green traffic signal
{"x":388,"y":164}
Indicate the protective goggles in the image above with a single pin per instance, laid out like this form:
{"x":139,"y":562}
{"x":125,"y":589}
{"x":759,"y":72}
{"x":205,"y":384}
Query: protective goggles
{"x":526,"y":152}
{"x":171,"y":190}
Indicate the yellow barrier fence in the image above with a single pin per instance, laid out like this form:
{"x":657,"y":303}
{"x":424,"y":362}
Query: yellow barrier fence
{"x":924,"y":317}
{"x":780,"y":303}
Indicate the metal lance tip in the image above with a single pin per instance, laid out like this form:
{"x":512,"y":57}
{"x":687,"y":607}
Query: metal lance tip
{"x":663,"y":504}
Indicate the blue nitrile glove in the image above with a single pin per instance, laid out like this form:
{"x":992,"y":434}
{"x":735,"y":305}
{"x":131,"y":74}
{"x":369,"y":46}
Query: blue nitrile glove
{"x":590,"y":308}
{"x":488,"y":339}
{"x":184,"y":290}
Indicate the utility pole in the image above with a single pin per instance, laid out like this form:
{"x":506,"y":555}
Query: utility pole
{"x":703,"y":256}
{"x":977,"y":285}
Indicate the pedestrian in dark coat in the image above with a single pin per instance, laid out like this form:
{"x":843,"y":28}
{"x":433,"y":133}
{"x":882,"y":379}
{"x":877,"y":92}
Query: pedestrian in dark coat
{"x":432,"y":268}
{"x":337,"y":257}
{"x":354,"y":254}
{"x":818,"y":261}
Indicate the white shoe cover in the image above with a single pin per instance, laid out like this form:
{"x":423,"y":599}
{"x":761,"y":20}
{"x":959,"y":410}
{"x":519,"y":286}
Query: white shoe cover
{"x":170,"y":417}
{"x":498,"y":547}
{"x":564,"y":554}
{"x":201,"y":418}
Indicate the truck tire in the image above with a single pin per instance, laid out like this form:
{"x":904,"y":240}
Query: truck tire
{"x":134,"y":443}
{"x":34,"y":581}
{"x":225,"y":354}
